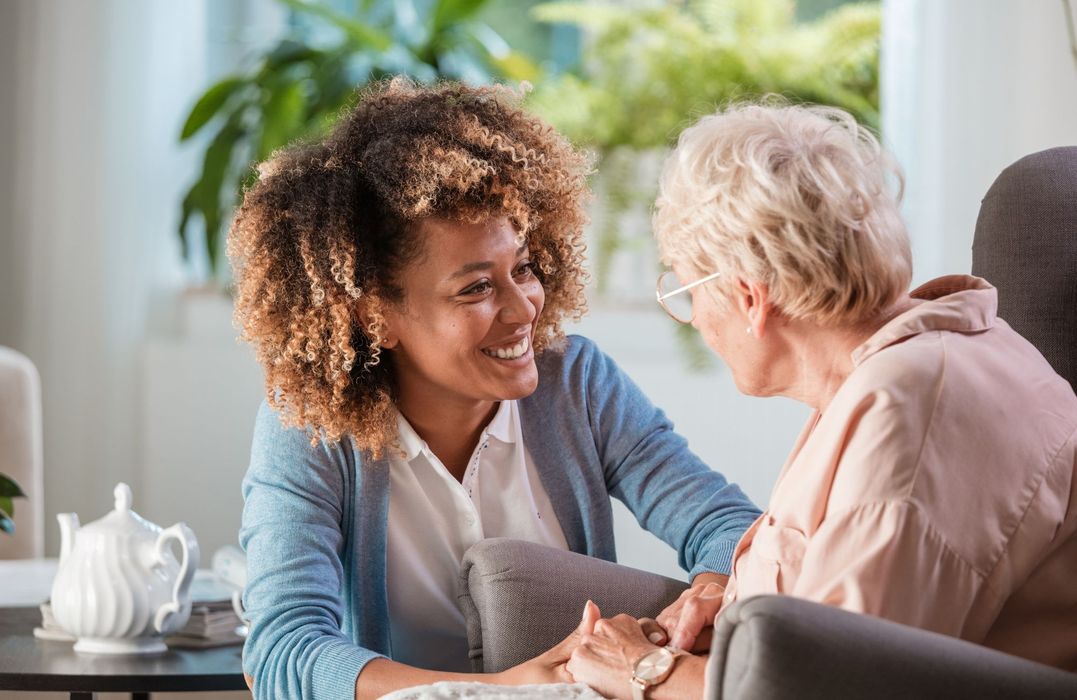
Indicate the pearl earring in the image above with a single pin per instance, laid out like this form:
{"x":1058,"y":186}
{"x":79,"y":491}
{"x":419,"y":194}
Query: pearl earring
{"x":748,"y":330}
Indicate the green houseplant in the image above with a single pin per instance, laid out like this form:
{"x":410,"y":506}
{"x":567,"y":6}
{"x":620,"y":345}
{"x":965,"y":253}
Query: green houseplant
{"x":296,"y":89}
{"x":650,"y":70}
{"x":9,"y":491}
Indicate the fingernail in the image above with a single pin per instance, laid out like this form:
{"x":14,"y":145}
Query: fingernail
{"x":655,"y":637}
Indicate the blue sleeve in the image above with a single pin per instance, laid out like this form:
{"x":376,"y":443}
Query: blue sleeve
{"x":649,"y":467}
{"x":292,"y":534}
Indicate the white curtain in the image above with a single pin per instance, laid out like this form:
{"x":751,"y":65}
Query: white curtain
{"x":970,"y":86}
{"x":92,"y":103}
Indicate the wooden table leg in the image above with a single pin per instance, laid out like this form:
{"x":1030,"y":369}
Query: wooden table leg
{"x":140,"y":696}
{"x":82,"y":696}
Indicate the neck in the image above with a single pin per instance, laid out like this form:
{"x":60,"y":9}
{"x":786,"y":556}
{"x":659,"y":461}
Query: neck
{"x":821,"y":358}
{"x":450,"y":428}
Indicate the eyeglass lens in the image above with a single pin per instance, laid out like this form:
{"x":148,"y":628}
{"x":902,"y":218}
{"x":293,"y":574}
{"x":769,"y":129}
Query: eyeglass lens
{"x":679,"y":305}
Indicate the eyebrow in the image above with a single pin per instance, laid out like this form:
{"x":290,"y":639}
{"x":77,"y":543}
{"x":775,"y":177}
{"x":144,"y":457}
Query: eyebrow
{"x":485,"y":265}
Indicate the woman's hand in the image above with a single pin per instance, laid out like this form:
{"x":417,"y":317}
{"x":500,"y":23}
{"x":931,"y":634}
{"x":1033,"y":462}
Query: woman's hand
{"x":606,"y":658}
{"x":549,"y":667}
{"x":688,"y":622}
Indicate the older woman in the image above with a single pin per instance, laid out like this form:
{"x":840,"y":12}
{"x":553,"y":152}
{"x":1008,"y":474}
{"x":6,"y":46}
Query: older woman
{"x":403,"y":282}
{"x":934,"y":483}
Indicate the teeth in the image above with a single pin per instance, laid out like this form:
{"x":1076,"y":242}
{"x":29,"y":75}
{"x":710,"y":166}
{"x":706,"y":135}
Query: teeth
{"x":510,"y":353}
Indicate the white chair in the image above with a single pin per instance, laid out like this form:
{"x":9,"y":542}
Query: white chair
{"x":21,"y":453}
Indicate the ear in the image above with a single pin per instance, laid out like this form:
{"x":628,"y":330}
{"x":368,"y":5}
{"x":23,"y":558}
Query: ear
{"x":753,"y":301}
{"x":364,"y":317}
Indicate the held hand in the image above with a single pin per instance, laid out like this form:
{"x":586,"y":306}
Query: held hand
{"x":606,"y":659}
{"x":549,"y":667}
{"x":689,"y":620}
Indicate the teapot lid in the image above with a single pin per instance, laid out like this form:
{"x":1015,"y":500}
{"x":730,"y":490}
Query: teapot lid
{"x":122,"y":520}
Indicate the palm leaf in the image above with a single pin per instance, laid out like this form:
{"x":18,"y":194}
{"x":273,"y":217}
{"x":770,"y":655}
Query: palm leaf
{"x":359,"y":32}
{"x":9,"y":489}
{"x":209,"y":104}
{"x":282,"y":118}
{"x":449,"y":12}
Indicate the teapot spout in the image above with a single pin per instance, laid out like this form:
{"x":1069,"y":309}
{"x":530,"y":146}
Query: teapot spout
{"x":69,"y":525}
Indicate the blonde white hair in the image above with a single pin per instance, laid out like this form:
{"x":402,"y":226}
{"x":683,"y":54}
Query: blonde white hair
{"x":798,"y":198}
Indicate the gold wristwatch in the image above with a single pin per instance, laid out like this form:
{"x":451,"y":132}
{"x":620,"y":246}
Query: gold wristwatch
{"x":651,"y":669}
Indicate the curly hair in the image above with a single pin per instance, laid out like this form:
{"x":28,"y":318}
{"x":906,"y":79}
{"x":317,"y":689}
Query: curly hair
{"x":800,"y":197}
{"x":331,"y":223}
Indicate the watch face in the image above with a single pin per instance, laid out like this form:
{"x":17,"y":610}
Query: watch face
{"x":654,"y":665}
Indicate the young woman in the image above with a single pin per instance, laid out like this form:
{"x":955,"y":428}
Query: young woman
{"x":403,"y":283}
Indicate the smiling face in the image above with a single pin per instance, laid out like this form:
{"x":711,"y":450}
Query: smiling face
{"x":464,"y":330}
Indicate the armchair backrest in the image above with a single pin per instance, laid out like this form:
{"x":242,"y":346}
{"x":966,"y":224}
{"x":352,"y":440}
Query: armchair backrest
{"x":1026,"y":246}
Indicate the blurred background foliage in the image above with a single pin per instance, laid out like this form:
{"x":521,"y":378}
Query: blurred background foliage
{"x":648,"y":70}
{"x":296,"y":89}
{"x":621,"y":78}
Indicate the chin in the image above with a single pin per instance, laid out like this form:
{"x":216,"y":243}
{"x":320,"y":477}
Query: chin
{"x":745,"y":387}
{"x":518,"y":387}
{"x":521,"y":389}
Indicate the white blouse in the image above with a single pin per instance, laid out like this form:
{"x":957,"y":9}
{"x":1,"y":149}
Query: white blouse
{"x":434,"y":519}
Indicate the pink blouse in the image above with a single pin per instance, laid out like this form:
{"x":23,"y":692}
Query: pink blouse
{"x":938,"y":488}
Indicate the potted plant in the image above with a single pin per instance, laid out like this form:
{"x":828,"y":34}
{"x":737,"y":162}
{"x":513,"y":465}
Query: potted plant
{"x":9,"y":490}
{"x":650,"y":70}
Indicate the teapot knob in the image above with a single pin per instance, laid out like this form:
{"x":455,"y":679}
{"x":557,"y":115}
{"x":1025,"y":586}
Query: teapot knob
{"x":122,"y":494}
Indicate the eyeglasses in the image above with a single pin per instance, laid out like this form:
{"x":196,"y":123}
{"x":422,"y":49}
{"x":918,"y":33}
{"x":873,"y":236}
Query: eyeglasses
{"x":670,"y":296}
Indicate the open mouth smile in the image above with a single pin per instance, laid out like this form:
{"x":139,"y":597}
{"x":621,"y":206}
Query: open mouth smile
{"x":509,"y":352}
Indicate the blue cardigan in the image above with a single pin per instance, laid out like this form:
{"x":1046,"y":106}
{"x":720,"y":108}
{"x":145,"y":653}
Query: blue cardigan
{"x":314,"y":518}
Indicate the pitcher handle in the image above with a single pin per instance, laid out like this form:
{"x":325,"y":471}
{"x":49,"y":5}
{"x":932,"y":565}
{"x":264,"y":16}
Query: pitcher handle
{"x":180,"y":602}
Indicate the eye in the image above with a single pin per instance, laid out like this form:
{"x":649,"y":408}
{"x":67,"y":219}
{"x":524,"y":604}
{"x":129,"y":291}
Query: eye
{"x":524,"y":270}
{"x":479,"y":288}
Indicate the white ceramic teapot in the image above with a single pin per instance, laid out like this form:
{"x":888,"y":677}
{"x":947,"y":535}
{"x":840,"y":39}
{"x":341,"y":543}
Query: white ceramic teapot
{"x":119,"y":588}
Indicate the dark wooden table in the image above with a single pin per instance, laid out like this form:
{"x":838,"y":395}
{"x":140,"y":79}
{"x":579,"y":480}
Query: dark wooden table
{"x":27,"y":663}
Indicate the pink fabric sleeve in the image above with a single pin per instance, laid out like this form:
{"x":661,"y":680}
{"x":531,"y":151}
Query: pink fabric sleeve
{"x":886,"y":560}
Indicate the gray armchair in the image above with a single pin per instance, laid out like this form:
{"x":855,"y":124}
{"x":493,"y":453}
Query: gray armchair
{"x":520,"y":599}
{"x":1026,"y":245}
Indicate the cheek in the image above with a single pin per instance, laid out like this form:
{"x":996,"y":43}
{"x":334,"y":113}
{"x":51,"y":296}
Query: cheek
{"x":537,"y":297}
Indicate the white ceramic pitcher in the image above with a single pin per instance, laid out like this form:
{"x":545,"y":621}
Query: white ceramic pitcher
{"x":119,"y":588}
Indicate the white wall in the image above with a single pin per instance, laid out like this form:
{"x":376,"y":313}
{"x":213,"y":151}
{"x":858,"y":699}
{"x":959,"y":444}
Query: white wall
{"x":970,"y":86}
{"x":96,"y":92}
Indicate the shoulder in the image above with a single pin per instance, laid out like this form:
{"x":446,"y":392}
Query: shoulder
{"x":573,"y":350}
{"x":569,"y":363}
{"x":911,"y":366}
{"x":878,"y":422}
{"x":894,"y":393}
{"x":271,"y":431}
{"x":279,"y":448}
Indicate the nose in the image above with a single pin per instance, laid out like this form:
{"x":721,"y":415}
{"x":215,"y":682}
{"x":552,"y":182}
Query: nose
{"x":517,"y":307}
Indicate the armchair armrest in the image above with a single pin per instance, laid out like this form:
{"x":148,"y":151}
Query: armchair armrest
{"x":519,"y":598}
{"x":782,"y":647}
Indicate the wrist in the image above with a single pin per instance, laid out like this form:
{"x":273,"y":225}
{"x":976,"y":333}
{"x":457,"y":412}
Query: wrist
{"x":686,"y":680}
{"x":507,"y":677}
{"x":706,"y":577}
{"x":651,"y":669}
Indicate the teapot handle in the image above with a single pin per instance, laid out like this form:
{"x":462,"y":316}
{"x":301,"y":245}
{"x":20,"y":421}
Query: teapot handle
{"x":188,"y":566}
